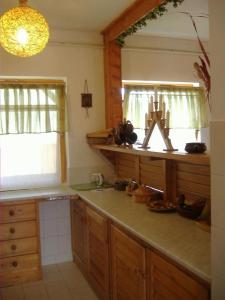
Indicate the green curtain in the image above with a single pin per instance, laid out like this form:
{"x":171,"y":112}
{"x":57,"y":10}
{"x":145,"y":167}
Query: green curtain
{"x":31,"y":109}
{"x":187,"y":106}
{"x":135,"y":104}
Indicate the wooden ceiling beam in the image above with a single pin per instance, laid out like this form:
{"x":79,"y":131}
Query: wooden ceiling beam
{"x":131,"y":15}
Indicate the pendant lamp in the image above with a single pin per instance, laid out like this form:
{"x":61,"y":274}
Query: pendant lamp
{"x":23,"y":31}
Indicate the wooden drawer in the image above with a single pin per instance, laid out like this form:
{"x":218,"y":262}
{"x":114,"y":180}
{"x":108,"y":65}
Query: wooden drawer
{"x":18,"y":247}
{"x":14,"y":213}
{"x":17,"y":230}
{"x":19,"y":269}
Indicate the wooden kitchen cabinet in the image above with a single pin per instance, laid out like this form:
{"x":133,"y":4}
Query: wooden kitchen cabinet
{"x":128,"y":267}
{"x":79,"y":232}
{"x":98,"y":252}
{"x":120,"y":266}
{"x":20,"y":259}
{"x":167,"y":282}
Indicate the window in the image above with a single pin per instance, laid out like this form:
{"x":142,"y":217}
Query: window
{"x":32,"y":134}
{"x":186,"y":108}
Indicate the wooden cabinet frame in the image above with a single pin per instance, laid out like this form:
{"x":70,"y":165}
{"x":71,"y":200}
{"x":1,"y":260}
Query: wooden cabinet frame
{"x":145,"y":256}
{"x":112,"y":56}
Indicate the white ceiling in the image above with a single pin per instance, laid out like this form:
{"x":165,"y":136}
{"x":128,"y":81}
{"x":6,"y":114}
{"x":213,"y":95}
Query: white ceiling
{"x":175,"y":24}
{"x":95,"y":15}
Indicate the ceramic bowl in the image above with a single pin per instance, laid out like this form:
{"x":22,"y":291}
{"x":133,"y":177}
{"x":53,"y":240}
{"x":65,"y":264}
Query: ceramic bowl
{"x":195,"y":147}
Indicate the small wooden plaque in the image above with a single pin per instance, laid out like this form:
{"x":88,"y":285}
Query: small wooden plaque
{"x":86,"y":100}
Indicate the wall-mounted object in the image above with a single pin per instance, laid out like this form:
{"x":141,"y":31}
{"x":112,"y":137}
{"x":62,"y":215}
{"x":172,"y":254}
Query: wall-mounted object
{"x":86,"y":98}
{"x":24,"y":31}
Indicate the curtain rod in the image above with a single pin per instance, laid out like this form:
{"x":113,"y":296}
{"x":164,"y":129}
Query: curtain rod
{"x":31,"y":82}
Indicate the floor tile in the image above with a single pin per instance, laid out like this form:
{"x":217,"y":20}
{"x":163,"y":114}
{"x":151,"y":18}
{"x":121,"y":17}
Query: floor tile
{"x":50,"y":268}
{"x":35,"y":291}
{"x":57,"y":291}
{"x":62,"y":281}
{"x":83,"y":294}
{"x":51,"y":273}
{"x":66,"y":266}
{"x":12,"y":293}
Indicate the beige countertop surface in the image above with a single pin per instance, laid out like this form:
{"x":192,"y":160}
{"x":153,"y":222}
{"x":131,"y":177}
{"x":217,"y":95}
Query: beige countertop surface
{"x":177,"y":237}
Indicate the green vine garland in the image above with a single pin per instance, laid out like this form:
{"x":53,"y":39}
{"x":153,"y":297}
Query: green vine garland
{"x":152,"y":15}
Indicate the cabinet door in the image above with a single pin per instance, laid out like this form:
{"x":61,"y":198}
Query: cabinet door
{"x":79,"y":232}
{"x":98,"y":257}
{"x":167,"y":282}
{"x":128,"y":267}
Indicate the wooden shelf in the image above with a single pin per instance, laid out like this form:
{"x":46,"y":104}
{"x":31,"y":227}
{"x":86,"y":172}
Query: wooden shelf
{"x":199,"y":159}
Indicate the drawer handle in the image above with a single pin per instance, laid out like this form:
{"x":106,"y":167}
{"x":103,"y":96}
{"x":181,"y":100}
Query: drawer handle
{"x":14,"y":264}
{"x":12,"y":230}
{"x":13,"y":247}
{"x":11,"y":212}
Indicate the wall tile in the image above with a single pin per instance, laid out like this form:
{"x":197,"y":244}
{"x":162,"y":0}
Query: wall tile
{"x":64,"y":244}
{"x":55,"y":232}
{"x":217,"y":147}
{"x":63,"y":226}
{"x":42,"y":228}
{"x":48,"y":260}
{"x":50,"y":228}
{"x":63,"y":209}
{"x":50,"y":210}
{"x":65,"y":257}
{"x":50,"y":246}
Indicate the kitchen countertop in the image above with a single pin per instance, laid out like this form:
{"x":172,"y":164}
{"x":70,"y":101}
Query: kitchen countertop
{"x":178,"y":238}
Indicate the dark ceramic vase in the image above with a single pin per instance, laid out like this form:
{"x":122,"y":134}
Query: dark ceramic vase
{"x":195,"y":147}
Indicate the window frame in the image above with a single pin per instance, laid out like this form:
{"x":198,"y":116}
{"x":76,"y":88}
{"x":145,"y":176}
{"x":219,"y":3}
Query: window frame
{"x":62,"y":136}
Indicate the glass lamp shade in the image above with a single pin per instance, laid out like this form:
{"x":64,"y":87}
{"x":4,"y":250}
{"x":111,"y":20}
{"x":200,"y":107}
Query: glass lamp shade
{"x":23,"y":31}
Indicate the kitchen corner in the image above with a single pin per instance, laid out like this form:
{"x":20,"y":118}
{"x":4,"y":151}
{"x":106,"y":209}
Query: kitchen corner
{"x":179,"y":239}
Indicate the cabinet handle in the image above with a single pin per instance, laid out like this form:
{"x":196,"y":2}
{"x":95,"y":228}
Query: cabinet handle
{"x":12,"y":230}
{"x":14,"y":263}
{"x":11,"y":212}
{"x":13,"y":247}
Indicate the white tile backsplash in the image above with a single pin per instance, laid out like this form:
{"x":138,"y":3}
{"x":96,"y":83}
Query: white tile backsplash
{"x":55,"y":231}
{"x":50,"y":228}
{"x":63,"y":226}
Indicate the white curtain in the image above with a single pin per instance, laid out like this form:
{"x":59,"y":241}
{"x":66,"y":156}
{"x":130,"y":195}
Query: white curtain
{"x":32,"y":117}
{"x":186,"y":106}
{"x":29,"y":160}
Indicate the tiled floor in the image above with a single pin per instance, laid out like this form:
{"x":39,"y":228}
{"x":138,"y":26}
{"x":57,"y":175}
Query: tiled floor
{"x":60,"y":282}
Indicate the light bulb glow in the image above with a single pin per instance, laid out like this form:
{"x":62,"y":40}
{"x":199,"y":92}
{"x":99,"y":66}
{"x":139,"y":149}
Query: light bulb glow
{"x":23,"y":31}
{"x":22,"y":36}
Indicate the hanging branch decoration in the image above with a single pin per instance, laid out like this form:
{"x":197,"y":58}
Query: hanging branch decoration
{"x":152,"y":15}
{"x":203,"y":67}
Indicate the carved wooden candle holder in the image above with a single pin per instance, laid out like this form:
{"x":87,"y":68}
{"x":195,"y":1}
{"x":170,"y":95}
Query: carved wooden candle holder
{"x":157,"y":117}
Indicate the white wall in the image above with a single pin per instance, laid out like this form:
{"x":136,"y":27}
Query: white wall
{"x":156,"y":58}
{"x":217,"y":49}
{"x":75,"y":56}
{"x":162,"y":59}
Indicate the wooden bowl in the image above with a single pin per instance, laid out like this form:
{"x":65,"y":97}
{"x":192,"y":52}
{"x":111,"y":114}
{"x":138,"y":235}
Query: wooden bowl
{"x":141,"y":198}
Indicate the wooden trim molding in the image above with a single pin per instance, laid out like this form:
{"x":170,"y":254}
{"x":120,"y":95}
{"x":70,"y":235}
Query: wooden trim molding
{"x":131,"y":15}
{"x":112,"y":57}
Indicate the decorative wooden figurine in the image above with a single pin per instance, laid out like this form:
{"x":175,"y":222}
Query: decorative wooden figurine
{"x":157,"y":115}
